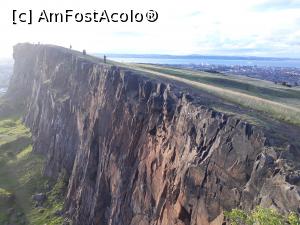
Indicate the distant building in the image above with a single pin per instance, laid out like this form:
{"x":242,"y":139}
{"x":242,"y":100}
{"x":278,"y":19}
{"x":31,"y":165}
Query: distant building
{"x":104,"y":58}
{"x":84,"y":52}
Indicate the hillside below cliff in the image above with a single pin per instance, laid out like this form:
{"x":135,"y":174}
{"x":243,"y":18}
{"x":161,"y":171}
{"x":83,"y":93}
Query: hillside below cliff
{"x":140,"y":150}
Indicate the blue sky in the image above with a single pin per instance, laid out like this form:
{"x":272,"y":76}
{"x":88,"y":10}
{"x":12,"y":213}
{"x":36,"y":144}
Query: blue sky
{"x":208,"y":27}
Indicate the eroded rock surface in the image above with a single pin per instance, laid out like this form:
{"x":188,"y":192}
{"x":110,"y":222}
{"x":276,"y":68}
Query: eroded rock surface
{"x":139,"y":151}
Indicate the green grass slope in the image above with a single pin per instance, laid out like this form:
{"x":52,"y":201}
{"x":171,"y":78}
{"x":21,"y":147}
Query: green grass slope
{"x":21,"y":177}
{"x":275,"y":101}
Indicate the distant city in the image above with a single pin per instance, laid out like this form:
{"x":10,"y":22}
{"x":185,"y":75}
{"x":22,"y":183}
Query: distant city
{"x":284,"y":71}
{"x":282,"y":75}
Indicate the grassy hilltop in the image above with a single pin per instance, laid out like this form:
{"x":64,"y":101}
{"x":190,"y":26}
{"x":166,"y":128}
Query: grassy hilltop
{"x":277,"y":101}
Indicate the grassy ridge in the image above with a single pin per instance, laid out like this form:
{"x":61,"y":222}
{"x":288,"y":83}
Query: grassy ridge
{"x":21,"y":177}
{"x":278,"y":102}
{"x":259,"y":88}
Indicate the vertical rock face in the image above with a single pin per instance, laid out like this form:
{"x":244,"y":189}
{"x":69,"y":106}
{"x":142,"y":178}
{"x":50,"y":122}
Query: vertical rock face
{"x":138,"y":151}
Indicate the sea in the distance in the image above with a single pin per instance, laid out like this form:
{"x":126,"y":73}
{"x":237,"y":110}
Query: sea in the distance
{"x":292,"y":63}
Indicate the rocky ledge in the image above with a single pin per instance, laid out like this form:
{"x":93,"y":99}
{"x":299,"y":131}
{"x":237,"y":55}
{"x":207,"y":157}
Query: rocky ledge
{"x":140,"y":151}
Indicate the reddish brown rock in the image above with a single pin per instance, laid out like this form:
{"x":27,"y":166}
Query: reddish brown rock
{"x":139,"y":151}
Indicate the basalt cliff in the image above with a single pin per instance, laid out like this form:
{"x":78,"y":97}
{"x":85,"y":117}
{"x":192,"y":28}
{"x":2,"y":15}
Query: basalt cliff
{"x":138,"y":150}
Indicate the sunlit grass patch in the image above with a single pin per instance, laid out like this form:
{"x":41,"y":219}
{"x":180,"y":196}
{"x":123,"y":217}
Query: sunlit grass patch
{"x":25,"y":153}
{"x":21,"y":176}
{"x":4,"y":193}
{"x":261,"y":216}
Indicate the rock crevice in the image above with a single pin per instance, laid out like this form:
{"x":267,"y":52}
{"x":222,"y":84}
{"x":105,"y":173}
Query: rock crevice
{"x":140,"y":151}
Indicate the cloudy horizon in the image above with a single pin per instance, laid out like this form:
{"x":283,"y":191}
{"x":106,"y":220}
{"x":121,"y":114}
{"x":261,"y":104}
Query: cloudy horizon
{"x":263,"y":28}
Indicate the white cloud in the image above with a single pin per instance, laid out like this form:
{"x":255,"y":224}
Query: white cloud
{"x":232,"y":27}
